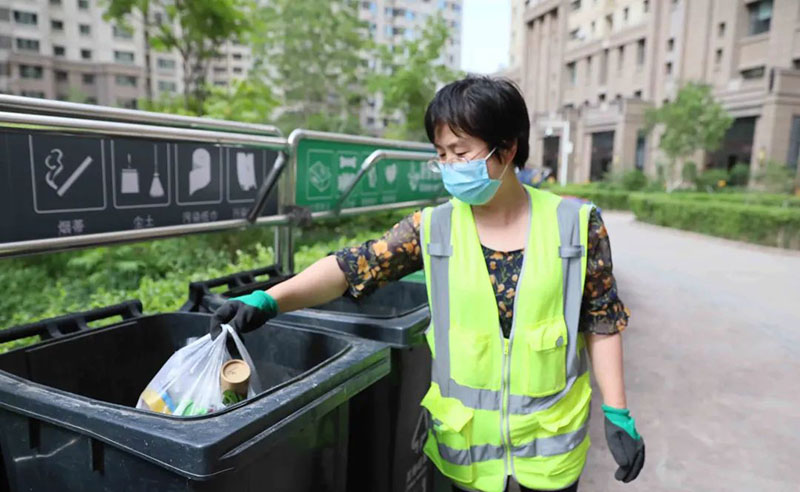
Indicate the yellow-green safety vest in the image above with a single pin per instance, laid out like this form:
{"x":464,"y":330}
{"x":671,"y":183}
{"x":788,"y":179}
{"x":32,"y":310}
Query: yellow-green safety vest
{"x":507,"y":407}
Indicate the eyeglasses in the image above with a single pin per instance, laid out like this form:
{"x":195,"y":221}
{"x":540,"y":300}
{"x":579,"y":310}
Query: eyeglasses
{"x":438,"y":165}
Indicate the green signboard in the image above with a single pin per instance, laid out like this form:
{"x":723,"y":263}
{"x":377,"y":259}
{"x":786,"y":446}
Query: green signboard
{"x":325,"y":168}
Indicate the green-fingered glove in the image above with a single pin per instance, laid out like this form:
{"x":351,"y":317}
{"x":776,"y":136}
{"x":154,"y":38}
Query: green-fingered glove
{"x":625,"y":444}
{"x":244,"y":313}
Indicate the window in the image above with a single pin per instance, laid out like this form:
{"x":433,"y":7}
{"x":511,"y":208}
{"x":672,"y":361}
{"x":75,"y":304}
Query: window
{"x":83,"y":4}
{"x":641,"y":143}
{"x":55,"y":2}
{"x":753,"y":73}
{"x":167,"y":86}
{"x":621,"y":58}
{"x":637,"y":94}
{"x":646,"y":6}
{"x":30,"y":71}
{"x":604,"y":67}
{"x":59,"y":51}
{"x":237,"y":70}
{"x":575,"y":4}
{"x":640,"y":52}
{"x":594,"y":27}
{"x":625,"y":13}
{"x":56,"y":25}
{"x":126,"y":103}
{"x":220,"y":70}
{"x":410,"y":15}
{"x":796,"y":63}
{"x":123,"y":57}
{"x":571,"y":75}
{"x":126,"y":80}
{"x":601,"y":97}
{"x":674,"y":4}
{"x":237,"y":56}
{"x":27,"y":18}
{"x":86,"y":54}
{"x":122,"y":32}
{"x":573,"y":34}
{"x":794,"y":143}
{"x":61,"y":76}
{"x":91,"y":100}
{"x":220,"y":83}
{"x":721,"y":30}
{"x":589,"y":70}
{"x":38,"y":94}
{"x":759,"y":16}
{"x":609,"y":23}
{"x":668,"y":68}
{"x":670,"y":44}
{"x":718,"y":56}
{"x":85,"y":29}
{"x":166,"y":64}
{"x":31,"y":45}
{"x":88,"y":78}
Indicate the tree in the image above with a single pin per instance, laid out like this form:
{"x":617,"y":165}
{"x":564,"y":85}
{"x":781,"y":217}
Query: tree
{"x":408,"y":78}
{"x":316,"y":54}
{"x":195,"y":29}
{"x":251,"y":101}
{"x":693,"y":121}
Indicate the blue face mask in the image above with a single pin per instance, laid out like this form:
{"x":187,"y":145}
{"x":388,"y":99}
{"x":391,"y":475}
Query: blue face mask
{"x":470,"y":181}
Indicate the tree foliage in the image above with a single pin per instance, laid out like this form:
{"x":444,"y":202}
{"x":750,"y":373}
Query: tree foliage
{"x":195,"y":29}
{"x":408,"y":77}
{"x":315,"y":54}
{"x":693,"y":121}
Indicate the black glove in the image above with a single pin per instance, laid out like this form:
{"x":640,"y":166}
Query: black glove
{"x":245,"y":313}
{"x":627,"y":451}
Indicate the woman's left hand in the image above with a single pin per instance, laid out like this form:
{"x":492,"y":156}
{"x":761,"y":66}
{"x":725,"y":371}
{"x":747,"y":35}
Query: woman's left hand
{"x":626,"y":445}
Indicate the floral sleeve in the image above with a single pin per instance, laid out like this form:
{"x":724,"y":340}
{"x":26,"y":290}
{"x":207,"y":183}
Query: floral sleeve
{"x":371,"y":265}
{"x":602,"y":311}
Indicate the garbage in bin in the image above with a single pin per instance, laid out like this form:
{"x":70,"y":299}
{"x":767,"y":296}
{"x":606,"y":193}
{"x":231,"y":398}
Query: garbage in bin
{"x":191,"y":381}
{"x":387,"y":425}
{"x":67,"y":420}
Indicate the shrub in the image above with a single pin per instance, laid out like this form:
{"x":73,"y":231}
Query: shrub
{"x":629,"y":180}
{"x":740,"y":174}
{"x":689,"y":172}
{"x":772,"y":226}
{"x":775,"y":177}
{"x":712,"y":179}
{"x":607,"y":199}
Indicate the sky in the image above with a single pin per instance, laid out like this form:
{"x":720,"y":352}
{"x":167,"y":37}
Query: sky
{"x":485,"y":35}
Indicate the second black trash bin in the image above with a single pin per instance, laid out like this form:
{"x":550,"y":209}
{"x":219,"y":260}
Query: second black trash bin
{"x":66,"y":421}
{"x":387,"y":424}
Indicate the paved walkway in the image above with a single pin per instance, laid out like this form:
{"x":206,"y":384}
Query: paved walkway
{"x":712,"y":360}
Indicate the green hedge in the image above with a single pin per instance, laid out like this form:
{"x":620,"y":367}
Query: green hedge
{"x":766,"y":199}
{"x":603,"y":198}
{"x":157,"y":272}
{"x":771,"y":226}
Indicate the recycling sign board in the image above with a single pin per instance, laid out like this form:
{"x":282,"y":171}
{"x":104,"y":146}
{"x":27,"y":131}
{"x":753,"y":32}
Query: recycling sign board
{"x":59,"y":184}
{"x":326,"y":168}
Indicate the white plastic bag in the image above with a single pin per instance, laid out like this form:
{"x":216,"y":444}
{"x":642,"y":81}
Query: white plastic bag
{"x":188,"y":384}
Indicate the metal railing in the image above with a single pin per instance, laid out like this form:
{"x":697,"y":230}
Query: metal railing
{"x":86,"y":111}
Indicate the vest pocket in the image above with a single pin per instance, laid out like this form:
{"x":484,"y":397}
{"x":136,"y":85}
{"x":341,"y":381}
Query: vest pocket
{"x":449,"y":440}
{"x":546,"y":343}
{"x":473,"y":358}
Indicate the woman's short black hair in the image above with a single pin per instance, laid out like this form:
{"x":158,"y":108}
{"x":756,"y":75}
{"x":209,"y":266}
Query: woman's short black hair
{"x":483,"y":107}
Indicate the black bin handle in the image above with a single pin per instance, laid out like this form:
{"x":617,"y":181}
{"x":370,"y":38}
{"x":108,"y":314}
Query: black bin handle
{"x":71,"y":323}
{"x":199,"y":290}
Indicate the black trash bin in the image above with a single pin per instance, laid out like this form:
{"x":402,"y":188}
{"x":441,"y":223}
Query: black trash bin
{"x":67,"y":422}
{"x":387,"y":424}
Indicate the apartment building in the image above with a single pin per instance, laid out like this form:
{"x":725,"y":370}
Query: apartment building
{"x":394,"y":21}
{"x":597,"y":65}
{"x":65,"y":49}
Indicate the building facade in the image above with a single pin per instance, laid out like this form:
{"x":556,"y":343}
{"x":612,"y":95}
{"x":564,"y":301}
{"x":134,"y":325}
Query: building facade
{"x":598,"y":65}
{"x":395,"y":21}
{"x":65,"y":49}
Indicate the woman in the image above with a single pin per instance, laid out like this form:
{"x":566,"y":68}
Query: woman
{"x":519,"y":283}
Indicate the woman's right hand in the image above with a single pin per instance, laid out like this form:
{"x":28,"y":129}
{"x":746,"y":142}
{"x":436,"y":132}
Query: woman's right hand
{"x":244,"y":313}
